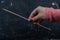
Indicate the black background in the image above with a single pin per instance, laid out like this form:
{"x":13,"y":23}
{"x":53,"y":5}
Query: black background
{"x":15,"y":28}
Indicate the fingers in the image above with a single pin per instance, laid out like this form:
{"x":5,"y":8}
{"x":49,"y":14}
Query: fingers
{"x":35,"y":18}
{"x":34,"y":13}
{"x":38,"y":21}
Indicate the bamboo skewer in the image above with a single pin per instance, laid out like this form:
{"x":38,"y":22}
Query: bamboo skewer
{"x":25,"y":18}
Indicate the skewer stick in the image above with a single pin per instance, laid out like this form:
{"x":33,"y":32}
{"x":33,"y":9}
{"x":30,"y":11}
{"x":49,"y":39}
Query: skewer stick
{"x":25,"y":18}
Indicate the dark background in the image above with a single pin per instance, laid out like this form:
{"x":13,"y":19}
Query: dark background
{"x":15,"y":28}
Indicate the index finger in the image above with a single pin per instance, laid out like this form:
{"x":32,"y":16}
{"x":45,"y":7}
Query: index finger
{"x":33,"y":13}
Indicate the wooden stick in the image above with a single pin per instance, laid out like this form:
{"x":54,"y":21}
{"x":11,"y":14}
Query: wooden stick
{"x":25,"y":18}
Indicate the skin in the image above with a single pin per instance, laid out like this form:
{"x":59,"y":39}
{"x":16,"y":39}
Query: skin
{"x":37,"y":14}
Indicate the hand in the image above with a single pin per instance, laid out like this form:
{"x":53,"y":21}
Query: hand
{"x":37,"y":14}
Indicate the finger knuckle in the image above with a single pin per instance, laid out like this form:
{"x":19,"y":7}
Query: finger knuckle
{"x":39,"y":6}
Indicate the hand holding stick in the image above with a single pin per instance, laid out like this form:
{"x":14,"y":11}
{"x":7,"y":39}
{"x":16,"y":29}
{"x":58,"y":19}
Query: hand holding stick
{"x":25,"y":18}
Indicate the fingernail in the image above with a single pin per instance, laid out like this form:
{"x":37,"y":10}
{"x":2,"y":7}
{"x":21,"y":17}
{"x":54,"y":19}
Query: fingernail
{"x":28,"y":19}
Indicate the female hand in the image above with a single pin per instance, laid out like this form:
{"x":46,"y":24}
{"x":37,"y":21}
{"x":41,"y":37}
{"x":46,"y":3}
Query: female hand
{"x":37,"y":14}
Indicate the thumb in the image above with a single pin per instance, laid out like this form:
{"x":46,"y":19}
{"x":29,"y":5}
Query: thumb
{"x":35,"y":18}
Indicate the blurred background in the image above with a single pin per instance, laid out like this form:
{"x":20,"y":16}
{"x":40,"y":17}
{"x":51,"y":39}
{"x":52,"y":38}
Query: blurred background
{"x":15,"y":28}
